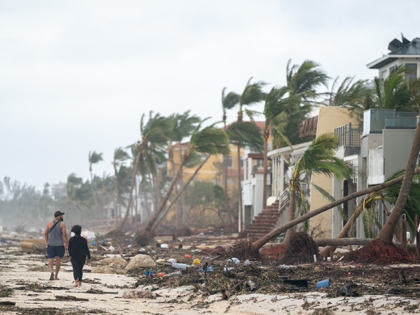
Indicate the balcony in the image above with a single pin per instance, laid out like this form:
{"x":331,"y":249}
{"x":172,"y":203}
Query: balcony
{"x":375,"y":120}
{"x":349,"y":136}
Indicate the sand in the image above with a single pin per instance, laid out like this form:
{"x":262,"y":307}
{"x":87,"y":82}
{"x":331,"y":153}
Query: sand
{"x":14,"y":272}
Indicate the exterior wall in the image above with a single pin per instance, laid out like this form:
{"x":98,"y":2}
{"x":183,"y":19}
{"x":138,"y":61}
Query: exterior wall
{"x":210,"y":172}
{"x":396,"y":149}
{"x":386,"y":70}
{"x":328,"y":119}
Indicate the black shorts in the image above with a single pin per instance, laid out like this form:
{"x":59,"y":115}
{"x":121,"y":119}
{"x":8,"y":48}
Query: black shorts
{"x":54,"y":251}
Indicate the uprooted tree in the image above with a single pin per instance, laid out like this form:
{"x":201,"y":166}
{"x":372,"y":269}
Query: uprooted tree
{"x":389,"y":194}
{"x":387,"y":231}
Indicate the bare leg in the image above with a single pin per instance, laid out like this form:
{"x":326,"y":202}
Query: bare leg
{"x":57,"y":266}
{"x":76,"y":283}
{"x":51,"y":264}
{"x":80,"y":283}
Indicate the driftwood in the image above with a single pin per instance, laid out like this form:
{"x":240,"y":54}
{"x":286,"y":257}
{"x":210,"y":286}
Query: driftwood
{"x":69,"y":298}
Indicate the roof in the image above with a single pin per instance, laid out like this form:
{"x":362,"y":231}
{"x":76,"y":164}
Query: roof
{"x":308,"y":128}
{"x":399,"y":49}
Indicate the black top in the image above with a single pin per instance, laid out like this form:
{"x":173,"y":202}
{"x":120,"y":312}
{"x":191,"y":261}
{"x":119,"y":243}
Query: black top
{"x":78,"y":248}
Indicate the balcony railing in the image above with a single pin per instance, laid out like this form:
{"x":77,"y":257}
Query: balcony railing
{"x":349,"y":137}
{"x":400,"y":122}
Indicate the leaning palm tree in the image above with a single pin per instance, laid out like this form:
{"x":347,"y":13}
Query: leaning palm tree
{"x":208,"y":140}
{"x":229,"y":101}
{"x":388,"y":194}
{"x":94,"y":158}
{"x":183,"y":125}
{"x":303,"y":80}
{"x":154,"y":133}
{"x":319,"y":158}
{"x":279,"y":109}
{"x":387,"y":231}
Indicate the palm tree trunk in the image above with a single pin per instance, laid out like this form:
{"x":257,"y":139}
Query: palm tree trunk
{"x":152,"y":221}
{"x":181,"y":186}
{"x":133,"y":183}
{"x":179,"y":194}
{"x":263,"y":240}
{"x":240,"y":190}
{"x":91,"y":190}
{"x":264,"y":205}
{"x":387,"y":230}
{"x":292,"y":204}
{"x":225,"y":180}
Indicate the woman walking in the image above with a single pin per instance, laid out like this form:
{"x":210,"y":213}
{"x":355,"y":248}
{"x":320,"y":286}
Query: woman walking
{"x":78,"y":250}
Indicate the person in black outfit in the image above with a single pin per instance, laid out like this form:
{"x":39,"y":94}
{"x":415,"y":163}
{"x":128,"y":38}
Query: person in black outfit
{"x":78,"y":250}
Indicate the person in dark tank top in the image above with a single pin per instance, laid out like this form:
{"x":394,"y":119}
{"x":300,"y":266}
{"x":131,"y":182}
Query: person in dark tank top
{"x":57,"y":242}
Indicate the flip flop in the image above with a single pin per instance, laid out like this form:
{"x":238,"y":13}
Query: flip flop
{"x":56,"y":279}
{"x":52,"y":276}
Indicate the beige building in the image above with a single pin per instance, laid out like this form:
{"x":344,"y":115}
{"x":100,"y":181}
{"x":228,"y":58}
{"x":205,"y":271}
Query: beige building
{"x":329,"y":118}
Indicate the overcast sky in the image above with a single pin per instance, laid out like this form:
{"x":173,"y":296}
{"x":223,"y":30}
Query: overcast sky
{"x":76,"y":76}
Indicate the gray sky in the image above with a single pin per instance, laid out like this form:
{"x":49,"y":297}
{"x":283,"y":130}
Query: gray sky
{"x":76,"y":76}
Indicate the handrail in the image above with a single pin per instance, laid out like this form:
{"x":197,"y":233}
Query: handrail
{"x":284,"y":198}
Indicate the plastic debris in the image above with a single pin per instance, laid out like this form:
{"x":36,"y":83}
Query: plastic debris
{"x":164,"y":246}
{"x":129,"y":246}
{"x":247,"y":262}
{"x":161,"y":274}
{"x":209,"y":269}
{"x":173,"y":274}
{"x":202,"y":234}
{"x":228,"y":269}
{"x":160,"y":260}
{"x":286,"y":267}
{"x":149,"y":273}
{"x":323,"y":284}
{"x":172,"y":260}
{"x":179,"y":266}
{"x":111,"y":248}
{"x":104,"y":247}
{"x":92,"y":242}
{"x":196,"y":261}
{"x":188,"y":256}
{"x":202,"y":244}
{"x":235,"y":260}
{"x":142,"y":250}
{"x":252,"y":286}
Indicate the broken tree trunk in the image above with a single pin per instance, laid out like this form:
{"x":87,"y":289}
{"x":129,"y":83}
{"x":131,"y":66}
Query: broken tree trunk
{"x":341,"y":242}
{"x":265,"y":239}
{"x":387,"y":231}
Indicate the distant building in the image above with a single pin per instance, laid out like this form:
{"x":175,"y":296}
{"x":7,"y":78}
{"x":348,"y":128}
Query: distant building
{"x":403,"y":53}
{"x":58,"y":189}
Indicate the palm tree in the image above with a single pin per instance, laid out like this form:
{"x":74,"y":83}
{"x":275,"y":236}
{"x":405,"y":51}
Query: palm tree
{"x":279,"y":107}
{"x":319,"y":158}
{"x":243,"y":132}
{"x":120,"y":172}
{"x":154,"y":134}
{"x":78,"y":193}
{"x":229,"y":101}
{"x":209,"y":140}
{"x":182,"y":127}
{"x":356,"y":96}
{"x":93,"y":159}
{"x":392,"y":92}
{"x":387,"y":231}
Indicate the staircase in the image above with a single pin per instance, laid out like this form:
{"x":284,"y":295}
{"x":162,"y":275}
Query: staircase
{"x":267,"y":219}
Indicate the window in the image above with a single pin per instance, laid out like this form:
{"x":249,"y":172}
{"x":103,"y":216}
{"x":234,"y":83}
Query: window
{"x":229,"y":162}
{"x":392,"y":69}
{"x":260,"y":163}
{"x":411,"y":72}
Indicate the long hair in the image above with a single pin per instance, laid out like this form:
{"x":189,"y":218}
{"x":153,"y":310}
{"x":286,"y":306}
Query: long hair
{"x":77,"y":230}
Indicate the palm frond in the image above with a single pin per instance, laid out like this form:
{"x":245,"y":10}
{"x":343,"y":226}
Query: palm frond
{"x":246,"y":134}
